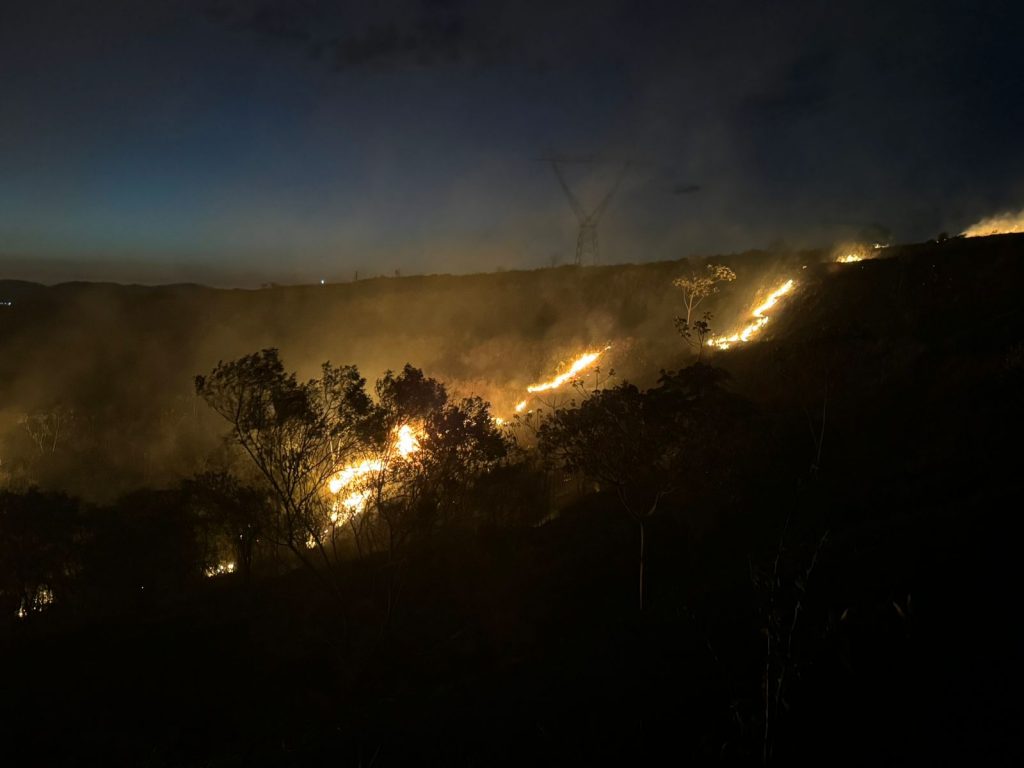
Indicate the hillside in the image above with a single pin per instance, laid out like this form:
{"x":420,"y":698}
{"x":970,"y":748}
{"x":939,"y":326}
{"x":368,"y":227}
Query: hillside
{"x":122,"y":358}
{"x":838,"y":530}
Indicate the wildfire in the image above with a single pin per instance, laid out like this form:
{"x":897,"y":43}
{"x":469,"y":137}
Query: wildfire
{"x":581,"y":363}
{"x":1001,"y":224}
{"x":354,"y":502}
{"x":750,"y":330}
{"x":220,"y":569}
{"x":351,"y":506}
{"x":407,"y":443}
{"x":851,"y":253}
{"x":42,"y":599}
{"x":578,"y":365}
{"x":350,"y":473}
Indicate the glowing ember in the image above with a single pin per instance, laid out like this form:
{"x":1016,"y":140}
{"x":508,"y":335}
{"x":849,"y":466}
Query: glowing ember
{"x":581,"y":363}
{"x":40,"y":601}
{"x":760,"y":319}
{"x":1001,"y":224}
{"x":221,"y":568}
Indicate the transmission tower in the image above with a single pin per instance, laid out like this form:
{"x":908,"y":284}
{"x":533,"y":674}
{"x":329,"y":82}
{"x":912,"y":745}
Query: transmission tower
{"x":586,"y":240}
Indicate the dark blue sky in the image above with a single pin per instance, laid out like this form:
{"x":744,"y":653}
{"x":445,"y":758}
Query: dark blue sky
{"x":243,"y":141}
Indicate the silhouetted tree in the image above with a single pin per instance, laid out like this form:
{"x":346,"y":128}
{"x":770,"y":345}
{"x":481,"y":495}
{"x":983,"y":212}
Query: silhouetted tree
{"x":701,"y":329}
{"x":298,"y":435}
{"x":39,"y":533}
{"x":696,"y":288}
{"x":677,"y":438}
{"x":47,"y":427}
{"x":624,"y":440}
{"x":240,"y":515}
{"x":455,"y":444}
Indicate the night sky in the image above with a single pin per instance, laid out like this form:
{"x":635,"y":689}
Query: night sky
{"x":245,"y":141}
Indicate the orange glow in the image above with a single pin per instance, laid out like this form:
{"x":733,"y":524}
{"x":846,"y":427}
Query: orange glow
{"x":346,"y":480}
{"x":407,"y":442}
{"x":1001,"y":224}
{"x":581,"y":363}
{"x":760,"y":319}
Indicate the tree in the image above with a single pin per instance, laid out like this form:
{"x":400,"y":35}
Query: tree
{"x":239,"y":515}
{"x":38,"y":553}
{"x":701,"y":328}
{"x":682,"y":438}
{"x":460,"y":444}
{"x":447,"y":445}
{"x":333,"y":458}
{"x":624,"y":440}
{"x":298,"y":435}
{"x":47,"y":427}
{"x":696,"y":288}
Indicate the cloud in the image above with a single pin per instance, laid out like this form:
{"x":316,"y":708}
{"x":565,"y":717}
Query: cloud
{"x":408,"y":34}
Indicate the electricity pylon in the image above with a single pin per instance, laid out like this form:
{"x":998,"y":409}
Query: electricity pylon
{"x":586,"y":240}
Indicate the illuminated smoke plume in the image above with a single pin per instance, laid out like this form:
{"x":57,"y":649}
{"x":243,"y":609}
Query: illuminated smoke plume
{"x":1000,"y":224}
{"x":851,"y":253}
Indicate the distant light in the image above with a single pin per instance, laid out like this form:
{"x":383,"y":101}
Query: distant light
{"x":323,"y":282}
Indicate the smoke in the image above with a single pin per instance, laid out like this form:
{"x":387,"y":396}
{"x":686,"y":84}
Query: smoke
{"x":116,"y":363}
{"x":1000,"y":224}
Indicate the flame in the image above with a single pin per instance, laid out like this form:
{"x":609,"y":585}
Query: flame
{"x":354,"y":503}
{"x":750,"y":330}
{"x":1000,"y":224}
{"x":581,"y":363}
{"x":350,"y":473}
{"x":851,"y":253}
{"x":407,"y":442}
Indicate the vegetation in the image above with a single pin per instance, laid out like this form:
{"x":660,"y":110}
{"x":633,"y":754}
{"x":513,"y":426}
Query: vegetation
{"x":698,"y":287}
{"x":796,"y":551}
